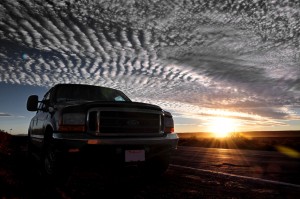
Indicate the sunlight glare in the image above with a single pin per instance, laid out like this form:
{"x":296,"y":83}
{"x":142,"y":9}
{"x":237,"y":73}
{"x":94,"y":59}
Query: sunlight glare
{"x":222,"y":127}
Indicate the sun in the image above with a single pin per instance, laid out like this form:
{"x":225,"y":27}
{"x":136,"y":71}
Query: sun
{"x":222,"y":127}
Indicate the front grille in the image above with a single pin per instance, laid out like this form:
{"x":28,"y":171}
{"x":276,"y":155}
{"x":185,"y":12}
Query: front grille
{"x":124,"y":122}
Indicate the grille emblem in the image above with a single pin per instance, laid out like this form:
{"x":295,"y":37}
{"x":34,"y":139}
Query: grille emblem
{"x":133,"y":122}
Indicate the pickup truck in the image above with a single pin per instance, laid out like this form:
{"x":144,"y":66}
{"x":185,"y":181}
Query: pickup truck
{"x":98,"y":125}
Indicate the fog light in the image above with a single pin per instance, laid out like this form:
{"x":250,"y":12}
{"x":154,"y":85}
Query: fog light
{"x":73,"y":150}
{"x":92,"y":141}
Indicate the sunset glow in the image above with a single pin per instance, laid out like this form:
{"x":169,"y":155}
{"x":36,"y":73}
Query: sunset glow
{"x":222,"y":127}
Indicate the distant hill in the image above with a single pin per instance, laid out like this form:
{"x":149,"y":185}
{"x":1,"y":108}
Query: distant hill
{"x":272,"y":133}
{"x":246,"y":134}
{"x":257,"y":140}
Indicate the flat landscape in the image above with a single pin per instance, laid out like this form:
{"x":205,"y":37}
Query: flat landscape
{"x":264,"y":140}
{"x":195,"y":172}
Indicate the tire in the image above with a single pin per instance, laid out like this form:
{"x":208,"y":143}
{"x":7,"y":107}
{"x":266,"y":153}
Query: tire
{"x":53,"y":170}
{"x":50,"y":161}
{"x":31,"y":152}
{"x":29,"y":148}
{"x":157,"y":166}
{"x":162,"y":165}
{"x":30,"y":156}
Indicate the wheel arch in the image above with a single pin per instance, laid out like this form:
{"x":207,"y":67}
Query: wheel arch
{"x":48,"y":134}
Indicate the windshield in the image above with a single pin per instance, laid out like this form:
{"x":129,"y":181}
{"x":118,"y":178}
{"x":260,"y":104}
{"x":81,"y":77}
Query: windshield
{"x":88,"y":93}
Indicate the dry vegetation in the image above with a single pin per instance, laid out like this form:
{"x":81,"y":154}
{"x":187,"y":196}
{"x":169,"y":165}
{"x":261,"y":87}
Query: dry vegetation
{"x":5,"y":140}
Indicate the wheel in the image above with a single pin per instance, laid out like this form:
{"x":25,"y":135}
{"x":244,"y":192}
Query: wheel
{"x":30,"y":151}
{"x":54,"y":169}
{"x":30,"y":156}
{"x":161,"y":165}
{"x":50,"y":161}
{"x":29,"y":147}
{"x":157,"y":166}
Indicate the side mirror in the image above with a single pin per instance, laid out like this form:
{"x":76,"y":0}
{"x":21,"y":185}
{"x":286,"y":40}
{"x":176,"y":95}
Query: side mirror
{"x":32,"y":103}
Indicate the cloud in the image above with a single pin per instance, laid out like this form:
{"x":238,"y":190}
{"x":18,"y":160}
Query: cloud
{"x":11,"y":116}
{"x":5,"y":115}
{"x":186,"y":56}
{"x":188,"y":124}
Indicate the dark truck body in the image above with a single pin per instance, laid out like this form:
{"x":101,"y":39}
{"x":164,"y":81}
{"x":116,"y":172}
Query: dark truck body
{"x":106,"y":129}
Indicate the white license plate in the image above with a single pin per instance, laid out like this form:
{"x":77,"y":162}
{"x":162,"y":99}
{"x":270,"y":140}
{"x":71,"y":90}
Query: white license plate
{"x":134,"y":155}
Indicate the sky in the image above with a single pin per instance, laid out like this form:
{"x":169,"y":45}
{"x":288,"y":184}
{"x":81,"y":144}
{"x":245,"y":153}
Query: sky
{"x":201,"y":60}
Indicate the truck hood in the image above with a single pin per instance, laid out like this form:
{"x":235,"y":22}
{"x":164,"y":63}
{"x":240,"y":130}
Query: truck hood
{"x":85,"y":105}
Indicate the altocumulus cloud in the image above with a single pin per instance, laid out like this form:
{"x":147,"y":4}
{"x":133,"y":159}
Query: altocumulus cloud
{"x":237,"y":59}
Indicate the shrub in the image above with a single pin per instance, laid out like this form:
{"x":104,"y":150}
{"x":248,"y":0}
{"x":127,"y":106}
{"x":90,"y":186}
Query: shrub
{"x":5,"y":140}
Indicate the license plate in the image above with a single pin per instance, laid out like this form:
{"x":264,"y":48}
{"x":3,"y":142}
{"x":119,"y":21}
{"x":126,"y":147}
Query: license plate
{"x":134,"y":155}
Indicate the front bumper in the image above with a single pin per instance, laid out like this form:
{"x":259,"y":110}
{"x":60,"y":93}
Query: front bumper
{"x":80,"y":140}
{"x":86,"y":144}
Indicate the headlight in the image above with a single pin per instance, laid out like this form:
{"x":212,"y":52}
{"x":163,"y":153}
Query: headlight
{"x":168,"y":123}
{"x":73,"y":119}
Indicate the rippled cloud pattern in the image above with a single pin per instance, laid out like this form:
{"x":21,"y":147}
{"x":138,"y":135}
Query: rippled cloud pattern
{"x":238,"y":59}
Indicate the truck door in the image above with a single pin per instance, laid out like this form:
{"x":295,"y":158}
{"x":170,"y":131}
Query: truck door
{"x":42,"y":117}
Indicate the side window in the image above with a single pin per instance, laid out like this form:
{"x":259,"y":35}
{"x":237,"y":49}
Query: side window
{"x":47,"y":96}
{"x":45,"y":100}
{"x":40,"y":106}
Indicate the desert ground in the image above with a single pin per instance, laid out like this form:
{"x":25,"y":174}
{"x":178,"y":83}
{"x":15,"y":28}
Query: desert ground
{"x":195,"y":172}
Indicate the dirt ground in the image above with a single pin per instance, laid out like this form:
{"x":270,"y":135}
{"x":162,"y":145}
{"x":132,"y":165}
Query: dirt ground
{"x":19,"y":179}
